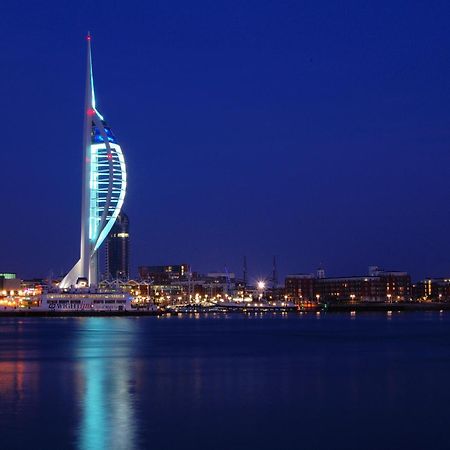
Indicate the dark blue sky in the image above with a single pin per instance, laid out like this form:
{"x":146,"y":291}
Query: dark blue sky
{"x":318,"y":131}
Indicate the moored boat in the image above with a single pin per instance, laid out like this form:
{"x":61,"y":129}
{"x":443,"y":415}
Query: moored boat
{"x":85,"y":300}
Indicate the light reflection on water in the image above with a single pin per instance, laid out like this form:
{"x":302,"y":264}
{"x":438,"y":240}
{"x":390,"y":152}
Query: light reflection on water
{"x":226,"y":382}
{"x":105,"y":378}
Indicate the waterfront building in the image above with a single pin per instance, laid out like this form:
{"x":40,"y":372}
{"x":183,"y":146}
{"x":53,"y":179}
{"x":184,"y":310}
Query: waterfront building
{"x":164,"y":274}
{"x":218,"y":283}
{"x":378,"y":286}
{"x":103,"y":185}
{"x":9,"y":282}
{"x":300,"y":287}
{"x":432,"y":289}
{"x":212,"y":284}
{"x":117,"y":249}
{"x":397,"y":285}
{"x":354,"y":288}
{"x":8,"y":275}
{"x":176,"y":283}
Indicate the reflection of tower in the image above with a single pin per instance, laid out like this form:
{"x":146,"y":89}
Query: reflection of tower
{"x":103,"y":185}
{"x":107,"y":408}
{"x":117,"y":249}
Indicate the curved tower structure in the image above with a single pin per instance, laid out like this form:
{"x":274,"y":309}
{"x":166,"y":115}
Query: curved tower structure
{"x":104,"y":185}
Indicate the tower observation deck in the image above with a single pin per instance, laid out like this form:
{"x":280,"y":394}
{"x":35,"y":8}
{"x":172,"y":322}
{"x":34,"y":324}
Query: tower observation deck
{"x":103,"y":185}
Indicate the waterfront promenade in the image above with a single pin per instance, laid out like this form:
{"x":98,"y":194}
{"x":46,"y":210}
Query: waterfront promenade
{"x":243,"y":309}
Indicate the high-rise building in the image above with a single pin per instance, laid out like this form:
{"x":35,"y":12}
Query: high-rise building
{"x":117,"y":249}
{"x":103,"y":185}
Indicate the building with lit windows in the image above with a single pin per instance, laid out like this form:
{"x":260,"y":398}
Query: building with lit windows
{"x":378,"y":286}
{"x":344,"y":289}
{"x":300,"y":287}
{"x":117,"y":249}
{"x":161,"y":275}
{"x":432,"y":289}
{"x":9,"y":282}
{"x":8,"y":276}
{"x":103,"y":186}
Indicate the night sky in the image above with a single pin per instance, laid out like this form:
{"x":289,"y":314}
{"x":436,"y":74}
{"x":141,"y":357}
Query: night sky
{"x":317,"y":131}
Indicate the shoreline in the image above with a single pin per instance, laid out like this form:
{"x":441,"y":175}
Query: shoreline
{"x":385,"y":307}
{"x":330,"y":308}
{"x":30,"y":313}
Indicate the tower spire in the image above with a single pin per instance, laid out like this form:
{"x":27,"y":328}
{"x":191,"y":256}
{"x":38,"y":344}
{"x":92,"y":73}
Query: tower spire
{"x":89,"y":112}
{"x":90,"y":104}
{"x":89,"y":78}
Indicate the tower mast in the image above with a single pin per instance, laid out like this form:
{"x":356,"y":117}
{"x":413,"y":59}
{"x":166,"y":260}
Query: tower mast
{"x":85,"y":249}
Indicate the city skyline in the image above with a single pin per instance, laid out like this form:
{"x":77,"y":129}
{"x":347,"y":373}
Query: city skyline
{"x":254,"y":131}
{"x":264,"y":225}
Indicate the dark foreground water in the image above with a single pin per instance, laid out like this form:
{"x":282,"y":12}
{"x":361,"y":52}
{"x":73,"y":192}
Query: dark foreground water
{"x":226,"y":382}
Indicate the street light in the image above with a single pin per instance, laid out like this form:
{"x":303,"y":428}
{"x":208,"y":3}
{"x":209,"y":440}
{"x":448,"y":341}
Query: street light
{"x":261,"y":285}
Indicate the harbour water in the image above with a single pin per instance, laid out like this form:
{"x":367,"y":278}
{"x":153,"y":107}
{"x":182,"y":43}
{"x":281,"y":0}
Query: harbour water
{"x":329,"y":381}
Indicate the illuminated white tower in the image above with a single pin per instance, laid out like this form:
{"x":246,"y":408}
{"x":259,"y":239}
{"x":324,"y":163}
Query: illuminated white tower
{"x":103,"y":186}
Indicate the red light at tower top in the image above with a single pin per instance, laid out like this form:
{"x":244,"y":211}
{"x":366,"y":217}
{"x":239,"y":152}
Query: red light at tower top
{"x":109,"y":156}
{"x":90,"y":112}
{"x":88,"y":37}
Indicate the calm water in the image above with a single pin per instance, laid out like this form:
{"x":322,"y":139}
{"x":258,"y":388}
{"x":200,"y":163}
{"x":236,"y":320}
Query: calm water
{"x":226,"y":382}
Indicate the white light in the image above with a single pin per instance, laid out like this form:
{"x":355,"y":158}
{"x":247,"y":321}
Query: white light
{"x":261,"y":285}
